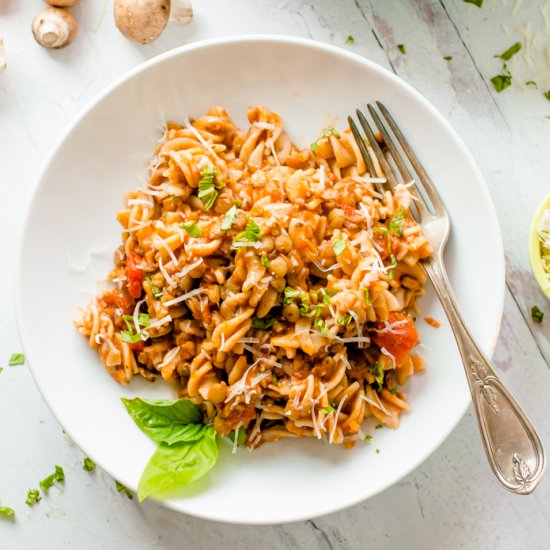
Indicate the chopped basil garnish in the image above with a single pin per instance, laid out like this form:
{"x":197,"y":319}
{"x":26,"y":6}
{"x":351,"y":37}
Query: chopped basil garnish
{"x":330,"y":131}
{"x":368,"y":437}
{"x":264,"y":324}
{"x":155,"y":291}
{"x":192,"y":229}
{"x":547,"y":95}
{"x":393,"y":391}
{"x":328,"y":409}
{"x":58,"y":475}
{"x":531,"y":84}
{"x":237,"y":202}
{"x":208,"y":190}
{"x":378,"y":426}
{"x":502,"y":81}
{"x":350,"y":39}
{"x":395,"y":226}
{"x":16,"y":359}
{"x":401,"y":48}
{"x":448,"y":58}
{"x":477,"y":3}
{"x":229,"y":218}
{"x":338,"y":246}
{"x":130,"y":338}
{"x":378,"y":372}
{"x":314,"y":146}
{"x":510,"y":52}
{"x":88,"y":464}
{"x":265,"y":261}
{"x":123,"y":489}
{"x":321,"y":325}
{"x":366,"y":292}
{"x":344,"y":320}
{"x":290,"y":295}
{"x":33,"y":496}
{"x":536,"y":314}
{"x":251,"y":234}
{"x":393,"y":259}
{"x":377,"y":451}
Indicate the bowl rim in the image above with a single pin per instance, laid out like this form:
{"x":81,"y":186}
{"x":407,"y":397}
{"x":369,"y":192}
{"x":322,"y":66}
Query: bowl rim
{"x":534,"y":248}
{"x":492,"y":219}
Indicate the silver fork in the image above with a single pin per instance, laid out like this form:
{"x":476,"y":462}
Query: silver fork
{"x":512,"y":445}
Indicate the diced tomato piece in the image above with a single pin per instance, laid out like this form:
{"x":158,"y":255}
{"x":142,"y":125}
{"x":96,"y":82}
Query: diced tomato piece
{"x":401,"y":340}
{"x":119,"y":298}
{"x":137,"y":346}
{"x":134,"y":274}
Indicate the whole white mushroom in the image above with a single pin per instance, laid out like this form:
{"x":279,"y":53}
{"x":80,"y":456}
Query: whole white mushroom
{"x":54,"y":28}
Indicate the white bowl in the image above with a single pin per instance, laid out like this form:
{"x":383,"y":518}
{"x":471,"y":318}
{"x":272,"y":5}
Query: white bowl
{"x":72,"y":215}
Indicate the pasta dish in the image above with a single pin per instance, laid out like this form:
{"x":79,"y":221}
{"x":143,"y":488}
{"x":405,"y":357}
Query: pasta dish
{"x":274,"y":286}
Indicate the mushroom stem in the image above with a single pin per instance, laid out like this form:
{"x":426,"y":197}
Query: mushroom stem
{"x":54,"y":28}
{"x":181,"y":12}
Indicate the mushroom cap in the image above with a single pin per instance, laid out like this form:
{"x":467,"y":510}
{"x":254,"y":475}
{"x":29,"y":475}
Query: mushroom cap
{"x":54,"y":28}
{"x":142,"y":21}
{"x":62,"y":3}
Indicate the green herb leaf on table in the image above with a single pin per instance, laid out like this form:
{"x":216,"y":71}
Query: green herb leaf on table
{"x":536,"y":314}
{"x":6,"y":512}
{"x":192,"y":229}
{"x":510,"y":52}
{"x":350,"y":39}
{"x":178,"y":464}
{"x":33,"y":496}
{"x":58,"y":476}
{"x":16,"y":359}
{"x":229,"y":218}
{"x":477,"y":3}
{"x":123,"y":489}
{"x":401,"y":48}
{"x":502,"y":81}
{"x":88,"y":464}
{"x":165,"y":421}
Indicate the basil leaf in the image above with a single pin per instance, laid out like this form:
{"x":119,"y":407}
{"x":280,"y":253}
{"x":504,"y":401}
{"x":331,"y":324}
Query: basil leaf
{"x":401,"y":48}
{"x":501,"y":82}
{"x":328,"y":409}
{"x":180,"y":464}
{"x":123,"y":489}
{"x":366,"y":292}
{"x":378,"y":372}
{"x":477,"y":3}
{"x":251,"y":234}
{"x":448,"y":58}
{"x":547,"y":95}
{"x":229,"y":218}
{"x":263,"y":324}
{"x":531,"y":84}
{"x":536,"y":314}
{"x":344,"y":320}
{"x":241,"y":437}
{"x":350,"y":39}
{"x":167,"y":421}
{"x":207,"y":188}
{"x":129,"y":337}
{"x":396,"y":224}
{"x":192,"y":229}
{"x":58,"y":475}
{"x":330,"y":131}
{"x":16,"y":359}
{"x":265,"y":261}
{"x":314,"y":146}
{"x":339,"y":246}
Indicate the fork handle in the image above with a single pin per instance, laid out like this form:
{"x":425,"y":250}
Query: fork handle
{"x":512,"y":445}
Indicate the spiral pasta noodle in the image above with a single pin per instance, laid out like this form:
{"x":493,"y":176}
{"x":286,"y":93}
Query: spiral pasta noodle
{"x":275,"y":286}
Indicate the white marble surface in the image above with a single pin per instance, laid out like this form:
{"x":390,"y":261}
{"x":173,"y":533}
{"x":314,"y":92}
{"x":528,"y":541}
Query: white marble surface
{"x":451,"y":501}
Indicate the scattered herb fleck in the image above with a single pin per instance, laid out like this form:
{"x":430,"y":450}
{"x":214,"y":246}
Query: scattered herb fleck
{"x":330,"y":131}
{"x":237,"y":202}
{"x":58,"y":475}
{"x":547,"y":95}
{"x":123,"y":489}
{"x":314,"y":146}
{"x":366,"y":292}
{"x":477,"y":3}
{"x":396,"y":224}
{"x":344,"y":320}
{"x":251,"y":234}
{"x":378,"y":372}
{"x":6,"y":511}
{"x":264,"y":260}
{"x":510,"y":52}
{"x":368,"y":437}
{"x":88,"y":464}
{"x":378,"y":426}
{"x":328,"y":409}
{"x":401,"y":48}
{"x":393,"y":391}
{"x":377,"y":451}
{"x":33,"y":496}
{"x":448,"y":58}
{"x":350,"y":39}
{"x":536,"y":314}
{"x":208,"y":190}
{"x":16,"y":359}
{"x":502,"y":81}
{"x":531,"y":84}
